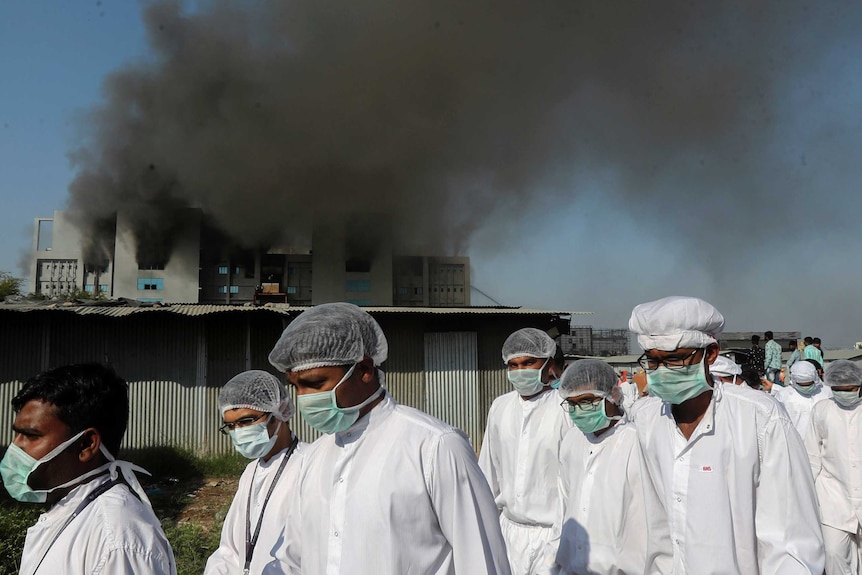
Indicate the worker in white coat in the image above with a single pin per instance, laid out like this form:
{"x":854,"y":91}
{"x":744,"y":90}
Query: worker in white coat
{"x":521,"y":448}
{"x":255,"y":408}
{"x":69,"y":423}
{"x":729,"y":488}
{"x":834,"y":447}
{"x":799,"y":397}
{"x":602,"y":528}
{"x":387,"y":490}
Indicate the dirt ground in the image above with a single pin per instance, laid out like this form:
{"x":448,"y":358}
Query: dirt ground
{"x":204,"y":503}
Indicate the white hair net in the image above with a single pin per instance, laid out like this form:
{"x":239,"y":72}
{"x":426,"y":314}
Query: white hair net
{"x":529,"y":342}
{"x":327,"y":335}
{"x":725,"y":367}
{"x":588,"y":375}
{"x":258,"y":390}
{"x":842,"y":372}
{"x":674,"y":322}
{"x":803,"y":372}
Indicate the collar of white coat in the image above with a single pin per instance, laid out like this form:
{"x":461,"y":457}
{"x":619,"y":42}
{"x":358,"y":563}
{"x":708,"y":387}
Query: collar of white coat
{"x":67,"y":505}
{"x":707,"y":424}
{"x":369,"y":421}
{"x":615,"y":429}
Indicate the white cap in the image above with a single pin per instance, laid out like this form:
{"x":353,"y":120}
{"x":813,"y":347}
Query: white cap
{"x":803,"y":372}
{"x":674,"y":322}
{"x":724,"y":367}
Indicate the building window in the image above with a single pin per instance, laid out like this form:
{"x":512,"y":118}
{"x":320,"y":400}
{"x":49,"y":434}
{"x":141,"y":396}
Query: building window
{"x":358,"y":285}
{"x":222,"y":270}
{"x":234,"y":289}
{"x":291,"y":290}
{"x":402,"y":291}
{"x":89,"y":289}
{"x":103,"y":288}
{"x":150,"y":284}
{"x":222,"y":289}
{"x":417,"y":291}
{"x":357,"y":266}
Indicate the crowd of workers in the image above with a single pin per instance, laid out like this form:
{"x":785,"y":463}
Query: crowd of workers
{"x":580,"y":471}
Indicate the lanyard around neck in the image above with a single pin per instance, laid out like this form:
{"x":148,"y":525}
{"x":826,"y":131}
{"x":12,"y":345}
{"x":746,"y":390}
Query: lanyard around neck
{"x":251,"y":539}
{"x":78,"y":510}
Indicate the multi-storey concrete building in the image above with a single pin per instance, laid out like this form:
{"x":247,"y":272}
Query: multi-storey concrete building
{"x":203,"y":267}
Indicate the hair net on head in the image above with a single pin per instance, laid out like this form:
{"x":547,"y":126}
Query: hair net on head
{"x":803,"y":372}
{"x":674,"y":322}
{"x":258,"y":390}
{"x":329,"y":334}
{"x":529,"y":342}
{"x":725,"y":367}
{"x":588,"y":375}
{"x":842,"y":372}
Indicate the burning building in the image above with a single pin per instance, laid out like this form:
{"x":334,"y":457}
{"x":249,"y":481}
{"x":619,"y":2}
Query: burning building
{"x":204,"y":266}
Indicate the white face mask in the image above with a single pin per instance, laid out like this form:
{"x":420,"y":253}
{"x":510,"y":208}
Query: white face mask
{"x":254,"y":441}
{"x":527,"y":381}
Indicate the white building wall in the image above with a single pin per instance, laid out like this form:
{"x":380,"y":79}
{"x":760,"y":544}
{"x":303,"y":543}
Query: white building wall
{"x":179,"y":279}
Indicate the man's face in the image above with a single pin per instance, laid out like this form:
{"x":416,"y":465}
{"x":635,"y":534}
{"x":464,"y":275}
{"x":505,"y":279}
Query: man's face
{"x":351,"y":392}
{"x":527,"y":362}
{"x":38,"y":431}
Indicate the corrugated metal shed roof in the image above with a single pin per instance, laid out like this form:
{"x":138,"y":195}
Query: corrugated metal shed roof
{"x":126,"y":308}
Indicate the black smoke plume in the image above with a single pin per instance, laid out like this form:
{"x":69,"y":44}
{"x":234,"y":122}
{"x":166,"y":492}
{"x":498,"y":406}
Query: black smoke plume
{"x":429,"y":115}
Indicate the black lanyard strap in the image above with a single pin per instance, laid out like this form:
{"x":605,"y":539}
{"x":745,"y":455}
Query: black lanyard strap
{"x":251,"y":540}
{"x":78,"y":510}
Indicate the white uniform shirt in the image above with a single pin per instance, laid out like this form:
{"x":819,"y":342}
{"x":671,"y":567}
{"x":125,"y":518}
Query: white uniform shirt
{"x":397,"y":493}
{"x":229,"y":558}
{"x":603,"y":527}
{"x":520,"y":456}
{"x":799,"y":406}
{"x":116,"y":534}
{"x":834,"y":446}
{"x":706,"y":512}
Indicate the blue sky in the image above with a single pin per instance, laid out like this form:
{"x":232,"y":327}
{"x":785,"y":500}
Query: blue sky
{"x":773,"y":242}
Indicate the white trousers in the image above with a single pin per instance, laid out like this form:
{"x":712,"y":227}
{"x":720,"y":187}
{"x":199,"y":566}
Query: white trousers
{"x":525,"y":547}
{"x":842,"y":551}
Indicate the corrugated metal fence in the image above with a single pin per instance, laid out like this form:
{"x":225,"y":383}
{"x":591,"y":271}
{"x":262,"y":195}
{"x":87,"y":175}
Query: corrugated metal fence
{"x":175,"y":365}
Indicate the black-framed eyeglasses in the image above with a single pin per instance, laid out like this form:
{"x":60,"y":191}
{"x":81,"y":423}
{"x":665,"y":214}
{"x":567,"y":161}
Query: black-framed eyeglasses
{"x":242,"y":422}
{"x":591,"y":404}
{"x":652,"y":363}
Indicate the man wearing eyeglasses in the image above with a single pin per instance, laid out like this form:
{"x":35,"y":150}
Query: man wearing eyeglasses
{"x":255,"y":407}
{"x":729,"y":489}
{"x":520,"y":449}
{"x":601,"y":525}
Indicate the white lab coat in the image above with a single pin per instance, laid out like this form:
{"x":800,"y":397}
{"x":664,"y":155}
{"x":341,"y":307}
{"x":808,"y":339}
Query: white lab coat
{"x":229,"y":558}
{"x":834,"y":447}
{"x":116,"y":534}
{"x":736,"y":497}
{"x":799,"y":406}
{"x":520,"y":457}
{"x":397,"y":493}
{"x":603,"y":527}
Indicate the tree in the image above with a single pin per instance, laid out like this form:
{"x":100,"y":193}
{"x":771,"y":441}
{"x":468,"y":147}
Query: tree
{"x":9,"y":285}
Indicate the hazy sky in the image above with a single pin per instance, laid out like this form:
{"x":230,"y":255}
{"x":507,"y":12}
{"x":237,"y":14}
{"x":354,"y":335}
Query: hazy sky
{"x":594,"y":158}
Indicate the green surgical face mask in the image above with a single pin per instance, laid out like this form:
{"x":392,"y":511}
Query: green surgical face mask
{"x":321,"y":411}
{"x":848,"y":399}
{"x":806,"y":390}
{"x":17,"y":466}
{"x":591,"y":420}
{"x":679,"y":384}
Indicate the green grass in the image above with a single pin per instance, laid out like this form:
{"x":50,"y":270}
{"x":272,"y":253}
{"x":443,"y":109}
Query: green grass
{"x":175,"y":474}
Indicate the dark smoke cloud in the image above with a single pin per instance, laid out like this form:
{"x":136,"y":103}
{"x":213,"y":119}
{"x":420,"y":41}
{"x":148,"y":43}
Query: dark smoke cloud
{"x":432,"y":115}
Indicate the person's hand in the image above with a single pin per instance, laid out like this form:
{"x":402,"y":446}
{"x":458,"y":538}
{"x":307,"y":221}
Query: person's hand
{"x":765,"y":384}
